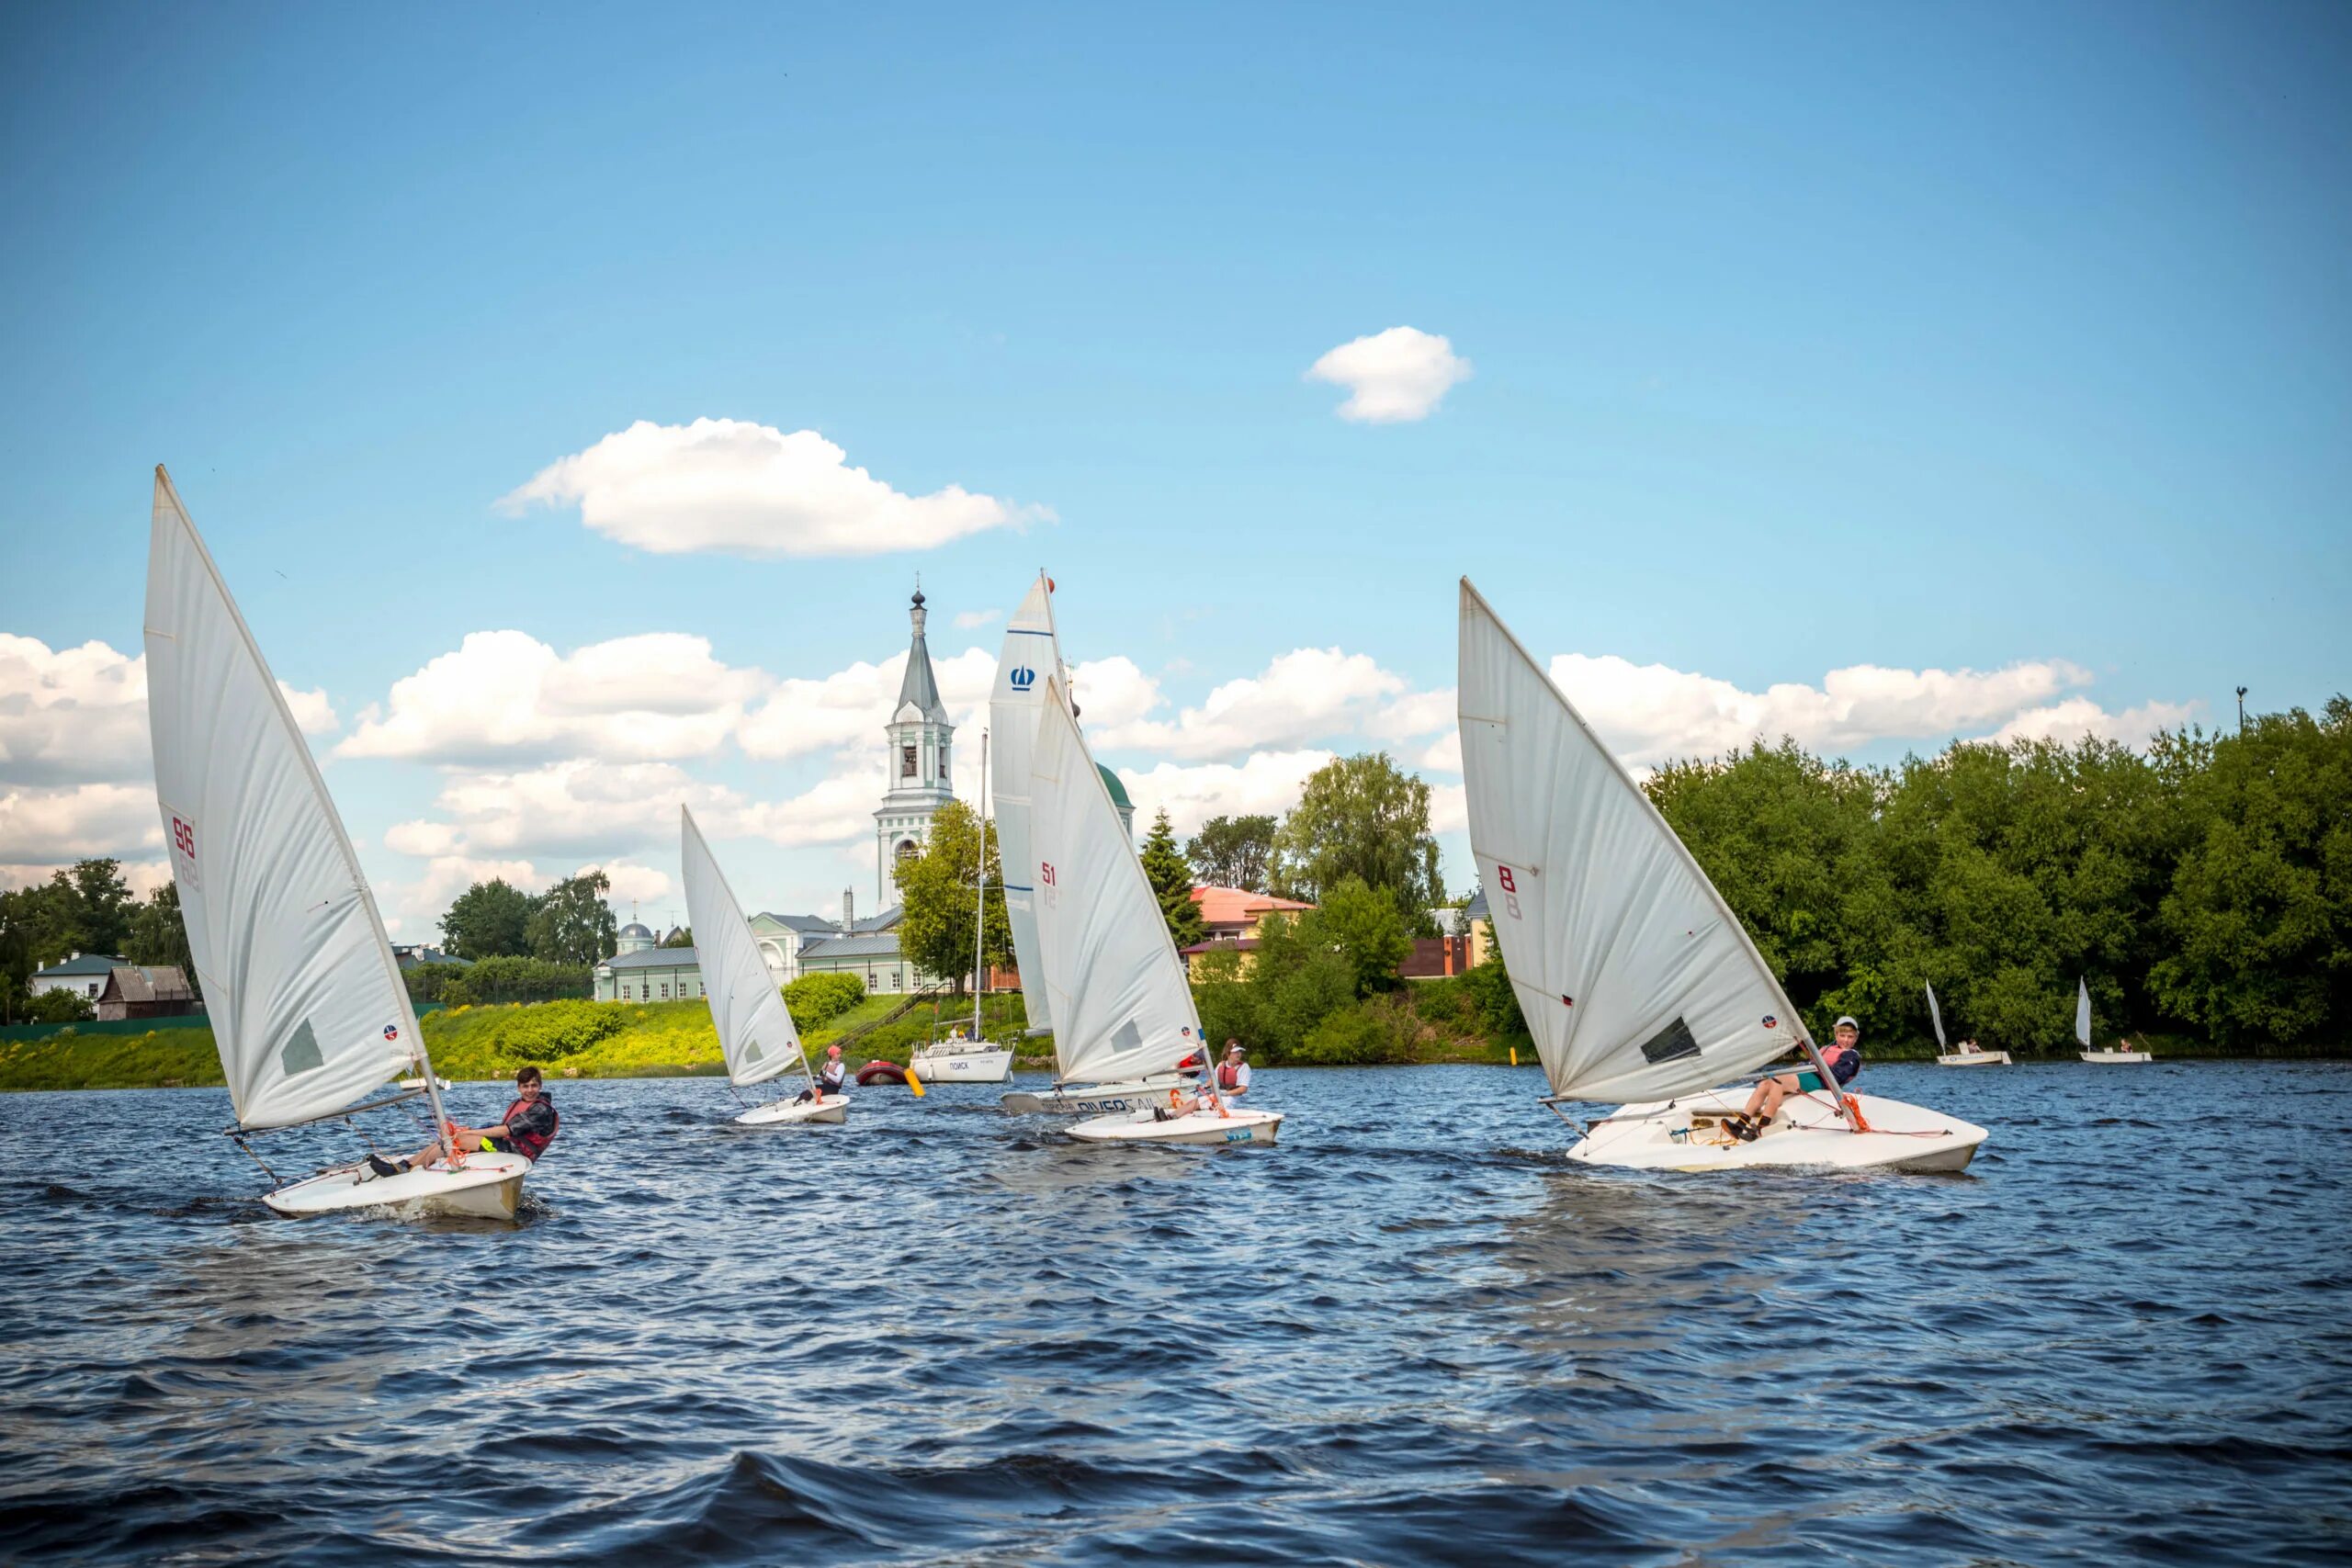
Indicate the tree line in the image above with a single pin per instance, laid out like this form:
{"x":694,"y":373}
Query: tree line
{"x":568,"y":924}
{"x":86,"y":909}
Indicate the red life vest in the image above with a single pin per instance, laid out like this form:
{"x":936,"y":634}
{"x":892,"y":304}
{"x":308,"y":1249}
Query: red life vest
{"x":531,"y":1145}
{"x":1228,"y":1074}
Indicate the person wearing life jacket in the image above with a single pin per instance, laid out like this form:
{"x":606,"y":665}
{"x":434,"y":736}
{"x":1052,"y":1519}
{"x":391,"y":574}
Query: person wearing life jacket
{"x":831,"y":1078}
{"x":526,"y":1129}
{"x":1844,"y":1055}
{"x":1233,"y":1073}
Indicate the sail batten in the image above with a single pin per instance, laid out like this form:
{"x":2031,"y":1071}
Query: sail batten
{"x":1636,"y":980}
{"x":1122,"y":1003}
{"x":308,"y":1008}
{"x":756,"y":1028}
{"x":1031,"y":657}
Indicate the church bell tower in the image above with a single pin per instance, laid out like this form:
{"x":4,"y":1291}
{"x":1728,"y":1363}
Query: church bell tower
{"x":917,"y":771}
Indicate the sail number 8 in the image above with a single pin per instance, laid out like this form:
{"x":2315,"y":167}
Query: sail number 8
{"x":1511,"y":890}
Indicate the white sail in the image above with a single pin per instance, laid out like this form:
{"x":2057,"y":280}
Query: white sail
{"x":2083,"y":1012}
{"x":1637,"y":981}
{"x":1936,"y":1015}
{"x":1122,"y":1004}
{"x":305,"y":1000}
{"x":1032,"y":656}
{"x":756,"y":1028}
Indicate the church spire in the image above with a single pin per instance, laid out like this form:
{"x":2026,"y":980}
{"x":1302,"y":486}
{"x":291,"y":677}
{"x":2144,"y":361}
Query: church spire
{"x":919,"y":686}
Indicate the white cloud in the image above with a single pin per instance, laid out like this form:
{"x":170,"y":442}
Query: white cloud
{"x":1307,"y":694}
{"x":1111,"y":693}
{"x":1649,"y":713}
{"x":143,"y":876}
{"x":55,"y":827}
{"x":72,"y":715}
{"x":1393,"y":376}
{"x":413,"y":910}
{"x":1264,"y":782}
{"x":969,"y":620}
{"x":313,"y":715}
{"x":507,"y":695}
{"x":851,"y":706}
{"x":750,"y":490}
{"x":2077,"y":716}
{"x":631,"y":883}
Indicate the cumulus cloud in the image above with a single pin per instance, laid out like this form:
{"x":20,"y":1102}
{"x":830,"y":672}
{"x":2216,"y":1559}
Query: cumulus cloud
{"x":750,"y":490}
{"x":59,"y":826}
{"x":850,"y":707}
{"x":71,"y":715}
{"x":968,"y":620}
{"x":2078,"y":717}
{"x":142,"y":876}
{"x":1303,"y":694}
{"x":631,"y":883}
{"x":1264,"y":782}
{"x":413,"y":910}
{"x":1649,"y":713}
{"x":1392,"y":377}
{"x":505,"y":694}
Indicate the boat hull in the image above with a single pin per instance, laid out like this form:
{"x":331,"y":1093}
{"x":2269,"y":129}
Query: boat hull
{"x":488,"y":1186}
{"x":1975,"y":1059}
{"x":991,"y":1066}
{"x":832,"y":1109}
{"x":2117,"y":1058}
{"x":1687,"y":1134}
{"x":1096,"y":1100}
{"x":1206,"y":1128}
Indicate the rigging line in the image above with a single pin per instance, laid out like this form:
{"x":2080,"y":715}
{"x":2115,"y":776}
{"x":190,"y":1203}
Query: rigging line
{"x":345,"y":1114}
{"x":255,"y":1158}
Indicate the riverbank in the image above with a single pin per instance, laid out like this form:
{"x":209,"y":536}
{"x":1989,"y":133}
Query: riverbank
{"x":594,"y":1040}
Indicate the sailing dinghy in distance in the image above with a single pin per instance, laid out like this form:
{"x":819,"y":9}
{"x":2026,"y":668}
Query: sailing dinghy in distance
{"x":1121,"y":1002}
{"x":307,"y":1005}
{"x":2121,"y":1055}
{"x":756,"y":1034}
{"x":1637,"y":981}
{"x":1969,"y":1054}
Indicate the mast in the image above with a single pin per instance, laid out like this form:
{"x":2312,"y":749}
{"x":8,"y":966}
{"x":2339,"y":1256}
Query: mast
{"x":980,"y":904}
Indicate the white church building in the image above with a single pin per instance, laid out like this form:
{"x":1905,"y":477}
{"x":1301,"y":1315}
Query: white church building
{"x":917,"y":779}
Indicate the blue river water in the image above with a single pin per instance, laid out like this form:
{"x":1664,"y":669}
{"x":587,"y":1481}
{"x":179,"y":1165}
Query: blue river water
{"x":1412,"y":1333}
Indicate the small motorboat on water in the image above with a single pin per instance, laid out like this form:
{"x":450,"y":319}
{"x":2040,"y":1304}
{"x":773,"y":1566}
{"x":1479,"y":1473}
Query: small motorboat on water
{"x":1121,"y":1007}
{"x":308,"y":1008}
{"x":2118,"y":1056}
{"x":879,"y":1071}
{"x":756,"y":1034}
{"x":1968,"y":1053}
{"x":1637,"y":981}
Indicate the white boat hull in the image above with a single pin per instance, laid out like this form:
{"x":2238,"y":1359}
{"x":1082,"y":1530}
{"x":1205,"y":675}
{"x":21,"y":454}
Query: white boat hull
{"x":488,"y":1186}
{"x":1096,"y":1099}
{"x":2117,"y":1056}
{"x":832,"y":1108}
{"x":1209,"y":1127}
{"x":991,"y":1066}
{"x":1687,"y":1134}
{"x":1975,"y":1059}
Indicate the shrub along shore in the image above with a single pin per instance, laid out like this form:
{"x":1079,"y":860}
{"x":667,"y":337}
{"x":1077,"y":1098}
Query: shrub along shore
{"x":1429,"y":1023}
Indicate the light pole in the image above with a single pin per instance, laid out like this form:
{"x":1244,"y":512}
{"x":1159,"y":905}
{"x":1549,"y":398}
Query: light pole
{"x":2241,"y":710}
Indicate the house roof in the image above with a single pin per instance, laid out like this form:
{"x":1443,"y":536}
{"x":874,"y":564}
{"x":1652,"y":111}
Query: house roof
{"x":135,"y":983}
{"x":81,"y":964}
{"x":1239,"y":906}
{"x":653,"y":958}
{"x":1477,"y":908}
{"x":881,"y":944}
{"x":409,"y":956}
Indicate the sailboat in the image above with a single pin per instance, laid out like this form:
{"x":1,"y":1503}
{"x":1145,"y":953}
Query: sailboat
{"x":308,"y":1008}
{"x":1121,"y":1002}
{"x":1029,"y":663}
{"x":971,"y":1059}
{"x":2083,"y":1032}
{"x":1637,"y":981}
{"x":755,"y":1030}
{"x":1969,"y":1053}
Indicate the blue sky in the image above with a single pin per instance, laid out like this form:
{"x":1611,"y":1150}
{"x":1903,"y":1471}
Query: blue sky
{"x":2005,"y":339}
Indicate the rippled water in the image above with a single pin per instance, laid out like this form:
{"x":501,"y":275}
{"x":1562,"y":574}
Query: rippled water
{"x":1410,"y":1333}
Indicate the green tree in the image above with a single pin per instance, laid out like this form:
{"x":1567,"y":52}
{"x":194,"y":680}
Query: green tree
{"x":1364,"y":817}
{"x":574,"y":924}
{"x":56,"y":1006}
{"x":102,"y":904}
{"x":158,"y":936}
{"x":1491,"y":992}
{"x":1364,"y":928}
{"x":1235,"y":852}
{"x":936,"y":895}
{"x":490,"y":920}
{"x":1170,"y":877}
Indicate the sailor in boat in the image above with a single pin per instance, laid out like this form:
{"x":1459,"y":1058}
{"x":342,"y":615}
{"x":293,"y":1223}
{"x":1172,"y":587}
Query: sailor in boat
{"x":1844,"y":1058}
{"x":830,"y":1077}
{"x":1233,"y":1073}
{"x":526,"y":1129}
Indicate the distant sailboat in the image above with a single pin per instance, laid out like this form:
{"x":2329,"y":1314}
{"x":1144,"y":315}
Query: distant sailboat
{"x":1969,"y":1054}
{"x":2083,"y":1032}
{"x":1636,"y":980}
{"x":756,"y":1034}
{"x":1122,"y":1005}
{"x":307,"y":1005}
{"x":961,"y":1057}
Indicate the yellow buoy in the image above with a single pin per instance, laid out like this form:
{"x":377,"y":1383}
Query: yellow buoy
{"x":913,"y":1082}
{"x":1514,"y":1055}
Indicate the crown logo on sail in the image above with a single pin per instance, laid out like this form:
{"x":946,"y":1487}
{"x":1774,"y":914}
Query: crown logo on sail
{"x":1023,"y":677}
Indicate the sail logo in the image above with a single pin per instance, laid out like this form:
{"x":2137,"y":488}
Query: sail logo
{"x":391,"y":1032}
{"x":1022,"y":677}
